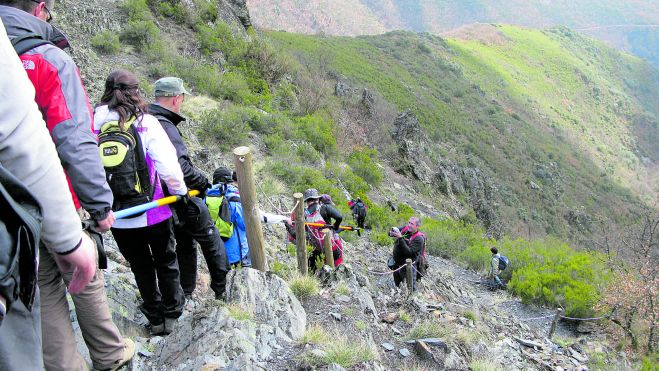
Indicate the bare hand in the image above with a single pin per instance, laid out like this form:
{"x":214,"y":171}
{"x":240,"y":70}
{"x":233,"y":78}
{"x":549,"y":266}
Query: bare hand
{"x":82,"y":262}
{"x":105,"y":224}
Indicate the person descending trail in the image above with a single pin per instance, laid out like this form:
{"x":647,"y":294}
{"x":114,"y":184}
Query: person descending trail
{"x":62,"y":100}
{"x":359,"y":210}
{"x":146,"y":240}
{"x":410,"y":243}
{"x":325,"y":214}
{"x":223,"y":201}
{"x":194,"y":220}
{"x":35,"y":203}
{"x":498,"y":263}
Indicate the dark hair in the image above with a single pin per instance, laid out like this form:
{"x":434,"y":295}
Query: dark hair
{"x":25,"y":5}
{"x":494,"y":250}
{"x":122,"y":95}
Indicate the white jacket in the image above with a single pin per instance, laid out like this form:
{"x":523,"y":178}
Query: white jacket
{"x":161,"y":161}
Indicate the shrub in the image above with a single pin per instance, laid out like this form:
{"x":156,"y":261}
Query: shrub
{"x":428,"y":329}
{"x":106,"y":42}
{"x":364,"y":163}
{"x":304,"y":286}
{"x":173,"y":9}
{"x":308,"y":154}
{"x":342,"y":289}
{"x":137,"y":10}
{"x":226,"y":129}
{"x":318,"y":131}
{"x":207,"y":10}
{"x":140,"y":33}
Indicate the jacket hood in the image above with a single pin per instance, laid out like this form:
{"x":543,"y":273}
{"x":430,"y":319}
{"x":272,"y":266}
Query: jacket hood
{"x":102,"y":114}
{"x":156,"y":109}
{"x":18,"y":22}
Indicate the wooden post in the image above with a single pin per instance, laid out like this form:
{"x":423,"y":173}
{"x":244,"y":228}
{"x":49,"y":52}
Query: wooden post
{"x":554,"y":322}
{"x":300,"y":235}
{"x":243,"y":161}
{"x":410,"y":275}
{"x":327,"y":244}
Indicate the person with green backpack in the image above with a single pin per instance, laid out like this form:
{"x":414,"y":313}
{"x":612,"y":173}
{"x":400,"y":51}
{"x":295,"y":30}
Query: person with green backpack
{"x":223,"y":200}
{"x":137,"y":154}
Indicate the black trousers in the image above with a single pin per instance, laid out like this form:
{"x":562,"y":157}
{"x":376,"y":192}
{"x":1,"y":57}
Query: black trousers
{"x":401,"y":275}
{"x":152,"y":256}
{"x":197,"y":225}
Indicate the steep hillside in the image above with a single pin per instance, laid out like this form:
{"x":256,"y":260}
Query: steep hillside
{"x":629,"y":25}
{"x":566,"y":127}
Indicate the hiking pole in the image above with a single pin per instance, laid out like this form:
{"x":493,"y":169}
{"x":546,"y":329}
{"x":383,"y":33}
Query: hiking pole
{"x":342,"y":227}
{"x":150,"y":205}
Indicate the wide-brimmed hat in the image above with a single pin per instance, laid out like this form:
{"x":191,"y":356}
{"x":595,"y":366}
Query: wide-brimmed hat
{"x":311,"y":193}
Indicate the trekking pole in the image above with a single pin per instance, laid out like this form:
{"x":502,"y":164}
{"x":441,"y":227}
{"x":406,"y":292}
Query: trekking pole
{"x":150,"y":205}
{"x":342,"y":227}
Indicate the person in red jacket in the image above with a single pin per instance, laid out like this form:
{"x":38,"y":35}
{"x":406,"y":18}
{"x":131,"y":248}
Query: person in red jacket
{"x":61,"y":97}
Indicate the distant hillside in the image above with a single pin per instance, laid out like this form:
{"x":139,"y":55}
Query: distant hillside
{"x":629,"y":25}
{"x":566,"y":127}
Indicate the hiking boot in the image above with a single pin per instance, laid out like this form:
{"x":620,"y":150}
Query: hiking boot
{"x":169,"y":325}
{"x":129,"y":353}
{"x":158,"y":329}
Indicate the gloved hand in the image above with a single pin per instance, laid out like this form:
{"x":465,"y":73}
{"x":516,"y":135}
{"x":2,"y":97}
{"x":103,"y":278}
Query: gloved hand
{"x":181,"y":209}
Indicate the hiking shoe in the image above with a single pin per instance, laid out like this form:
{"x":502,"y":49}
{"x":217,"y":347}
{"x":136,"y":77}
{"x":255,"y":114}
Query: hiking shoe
{"x":129,"y":353}
{"x":158,"y":329}
{"x":169,"y":325}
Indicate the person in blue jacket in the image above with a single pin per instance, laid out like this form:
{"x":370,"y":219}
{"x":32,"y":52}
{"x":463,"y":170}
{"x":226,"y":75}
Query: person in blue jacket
{"x":237,"y":248}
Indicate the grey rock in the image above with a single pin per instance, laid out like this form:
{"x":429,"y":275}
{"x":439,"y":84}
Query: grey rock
{"x":396,"y":330}
{"x":422,"y":350}
{"x":412,"y":147}
{"x":404,"y":352}
{"x":336,"y":316}
{"x":433,"y":342}
{"x":342,"y":89}
{"x":335,"y":367}
{"x":319,"y":353}
{"x":388,"y":346}
{"x":343,"y":299}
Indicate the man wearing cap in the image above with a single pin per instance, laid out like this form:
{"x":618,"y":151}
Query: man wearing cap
{"x":194,"y":220}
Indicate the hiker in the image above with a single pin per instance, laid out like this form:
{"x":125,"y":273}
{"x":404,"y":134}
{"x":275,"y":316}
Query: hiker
{"x":391,"y":206}
{"x":146,"y":240}
{"x":63,"y":103}
{"x":194,"y":222}
{"x":359,"y":209}
{"x":314,"y":212}
{"x":410,"y":244}
{"x":233,"y":230}
{"x":39,"y":172}
{"x":497,"y":263}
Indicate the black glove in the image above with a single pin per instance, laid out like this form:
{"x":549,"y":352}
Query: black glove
{"x":180,"y":208}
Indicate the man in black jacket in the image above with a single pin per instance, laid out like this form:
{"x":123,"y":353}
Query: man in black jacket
{"x":410,"y":244}
{"x":194,"y":220}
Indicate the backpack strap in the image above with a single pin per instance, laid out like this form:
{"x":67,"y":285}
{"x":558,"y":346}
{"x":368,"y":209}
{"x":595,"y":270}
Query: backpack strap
{"x":140,"y":161}
{"x":28,"y":42}
{"x":21,"y":225}
{"x":417,"y":234}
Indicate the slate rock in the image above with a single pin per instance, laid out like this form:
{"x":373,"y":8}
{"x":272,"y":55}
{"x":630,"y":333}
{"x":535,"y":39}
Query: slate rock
{"x":404,"y":352}
{"x":388,"y":346}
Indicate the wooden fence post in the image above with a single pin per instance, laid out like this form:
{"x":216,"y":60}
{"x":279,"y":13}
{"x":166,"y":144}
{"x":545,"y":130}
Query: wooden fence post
{"x":327,"y":244}
{"x":554,"y":322}
{"x":243,"y":161}
{"x":410,"y":275}
{"x":300,"y":235}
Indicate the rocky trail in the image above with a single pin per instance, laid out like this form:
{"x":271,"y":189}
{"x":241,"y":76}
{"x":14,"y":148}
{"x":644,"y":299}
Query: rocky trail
{"x":263,"y":326}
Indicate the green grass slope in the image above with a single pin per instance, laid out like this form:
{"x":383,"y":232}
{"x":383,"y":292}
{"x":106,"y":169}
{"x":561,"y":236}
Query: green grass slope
{"x":548,"y":107}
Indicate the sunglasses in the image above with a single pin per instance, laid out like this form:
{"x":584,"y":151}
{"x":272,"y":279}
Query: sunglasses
{"x":50,"y":16}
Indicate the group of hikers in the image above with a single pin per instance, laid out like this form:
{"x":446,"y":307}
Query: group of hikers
{"x":65,"y":169}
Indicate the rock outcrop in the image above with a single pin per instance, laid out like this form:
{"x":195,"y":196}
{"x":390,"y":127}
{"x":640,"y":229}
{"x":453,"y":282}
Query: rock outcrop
{"x":412,"y":147}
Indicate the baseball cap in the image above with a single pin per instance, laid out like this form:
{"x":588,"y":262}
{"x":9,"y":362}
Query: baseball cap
{"x":169,"y":87}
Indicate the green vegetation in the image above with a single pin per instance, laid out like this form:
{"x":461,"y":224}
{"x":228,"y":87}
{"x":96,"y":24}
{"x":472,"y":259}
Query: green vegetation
{"x":304,"y":286}
{"x":342,"y":289}
{"x":106,"y":42}
{"x":239,"y":313}
{"x":428,"y":329}
{"x":342,"y":351}
{"x":315,"y":334}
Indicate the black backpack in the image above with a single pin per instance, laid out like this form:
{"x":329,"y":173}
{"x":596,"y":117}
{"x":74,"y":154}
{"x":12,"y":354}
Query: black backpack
{"x":20,"y":230}
{"x":125,"y":165}
{"x":360,"y":209}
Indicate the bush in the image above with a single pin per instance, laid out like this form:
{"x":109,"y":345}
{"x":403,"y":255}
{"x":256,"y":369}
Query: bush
{"x":173,"y":9}
{"x":364,"y":163}
{"x":106,"y":42}
{"x":318,"y":131}
{"x":207,"y":10}
{"x":226,"y":129}
{"x":315,"y":335}
{"x":304,"y":286}
{"x":137,"y":10}
{"x":140,"y":33}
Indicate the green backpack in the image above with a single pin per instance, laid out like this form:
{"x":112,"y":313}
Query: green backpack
{"x":218,"y":206}
{"x":125,"y":165}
